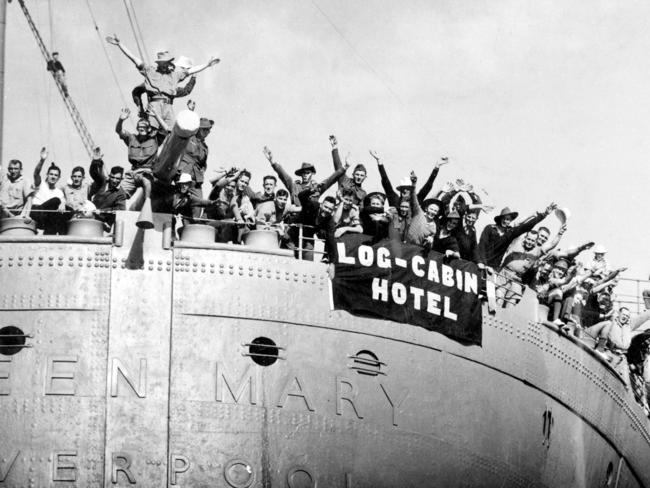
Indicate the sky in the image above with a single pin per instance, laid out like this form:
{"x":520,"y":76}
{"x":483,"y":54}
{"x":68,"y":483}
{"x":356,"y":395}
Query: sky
{"x":533,"y":102}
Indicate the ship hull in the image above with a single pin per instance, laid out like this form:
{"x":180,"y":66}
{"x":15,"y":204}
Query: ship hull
{"x":141,"y":372}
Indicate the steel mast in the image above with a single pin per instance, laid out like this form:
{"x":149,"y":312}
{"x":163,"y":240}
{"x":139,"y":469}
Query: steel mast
{"x":83,"y":131}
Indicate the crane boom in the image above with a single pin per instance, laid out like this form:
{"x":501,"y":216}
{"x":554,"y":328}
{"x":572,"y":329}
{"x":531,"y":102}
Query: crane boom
{"x":83,"y":131}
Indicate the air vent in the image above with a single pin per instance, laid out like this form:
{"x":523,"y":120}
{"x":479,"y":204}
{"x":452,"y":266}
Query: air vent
{"x":12,"y":340}
{"x":366,"y":362}
{"x":263,"y":351}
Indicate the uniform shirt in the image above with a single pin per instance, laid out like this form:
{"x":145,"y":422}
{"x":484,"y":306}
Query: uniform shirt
{"x":195,"y":159}
{"x":142,"y":153}
{"x":347,"y":183}
{"x":75,"y":198}
{"x":348,"y":218}
{"x":162,"y":83}
{"x":108,"y":199}
{"x":13,"y":194}
{"x":518,"y":260}
{"x":45,"y":193}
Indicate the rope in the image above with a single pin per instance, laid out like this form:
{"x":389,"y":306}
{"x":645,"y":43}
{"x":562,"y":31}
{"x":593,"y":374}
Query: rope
{"x":110,"y":64}
{"x":135,"y":33}
{"x":370,"y":68}
{"x":137,"y":25}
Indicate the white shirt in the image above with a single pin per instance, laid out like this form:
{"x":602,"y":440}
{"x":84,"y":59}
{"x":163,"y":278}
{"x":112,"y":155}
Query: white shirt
{"x":45,"y":193}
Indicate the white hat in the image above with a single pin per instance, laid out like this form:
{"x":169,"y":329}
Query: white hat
{"x":600,"y":249}
{"x":185,"y":178}
{"x":405,"y":183}
{"x":183,"y":62}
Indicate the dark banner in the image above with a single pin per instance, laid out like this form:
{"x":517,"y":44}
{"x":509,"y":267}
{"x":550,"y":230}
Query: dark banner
{"x":397,"y":282}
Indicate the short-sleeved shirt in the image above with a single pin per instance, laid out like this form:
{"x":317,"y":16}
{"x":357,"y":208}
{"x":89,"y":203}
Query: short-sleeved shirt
{"x":194,"y":160}
{"x":45,"y":193}
{"x":162,"y":83}
{"x":75,"y":198}
{"x":142,"y":153}
{"x":13,"y":194}
{"x":518,"y":260}
{"x":349,"y":217}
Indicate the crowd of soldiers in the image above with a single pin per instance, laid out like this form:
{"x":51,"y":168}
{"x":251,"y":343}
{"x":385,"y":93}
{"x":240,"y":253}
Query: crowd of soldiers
{"x":578,"y":296}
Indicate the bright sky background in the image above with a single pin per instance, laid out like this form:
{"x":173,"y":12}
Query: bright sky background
{"x":532,"y":101}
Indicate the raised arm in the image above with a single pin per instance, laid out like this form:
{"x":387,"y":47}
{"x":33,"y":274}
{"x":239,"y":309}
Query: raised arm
{"x":39,"y":167}
{"x":186,"y":89}
{"x":532,"y":221}
{"x":333,"y":178}
{"x":282,"y":174}
{"x":415,"y":204}
{"x":391,"y":195}
{"x":119,"y":129}
{"x":97,"y":170}
{"x":195,"y":69}
{"x":426,"y":188}
{"x":551,"y":244}
{"x":161,"y":123}
{"x":116,"y":42}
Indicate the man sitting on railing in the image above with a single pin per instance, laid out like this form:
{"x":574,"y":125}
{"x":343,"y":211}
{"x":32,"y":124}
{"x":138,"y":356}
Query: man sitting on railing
{"x":346,"y":216}
{"x":223,"y":191}
{"x":107,"y":194}
{"x":183,"y":201}
{"x":15,"y":191}
{"x":520,"y":258}
{"x":316,"y":219}
{"x":48,"y":203}
{"x":614,"y":337}
{"x":77,"y":192}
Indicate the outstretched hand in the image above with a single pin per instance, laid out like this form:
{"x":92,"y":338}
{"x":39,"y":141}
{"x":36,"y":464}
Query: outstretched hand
{"x":414,"y":178}
{"x":97,"y":153}
{"x":552,"y":206}
{"x":562,"y":229}
{"x":333,"y":142}
{"x":124,"y":113}
{"x":113,"y":40}
{"x":268,"y":154}
{"x":374,"y":154}
{"x":191,"y":104}
{"x":43,"y":153}
{"x":213,"y":60}
{"x":443,"y":160}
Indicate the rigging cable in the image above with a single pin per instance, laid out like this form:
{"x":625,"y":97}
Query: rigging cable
{"x":137,"y":25}
{"x":108,"y":58}
{"x":372,"y":69}
{"x":135,"y":33}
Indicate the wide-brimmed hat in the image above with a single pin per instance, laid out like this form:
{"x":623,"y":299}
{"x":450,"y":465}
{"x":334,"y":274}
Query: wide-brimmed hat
{"x":561,"y":263}
{"x":429,"y":201}
{"x":600,"y":249}
{"x":405,"y":183}
{"x":305,"y":167}
{"x":164,"y":57}
{"x":504,"y":213}
{"x":205,"y":123}
{"x":184,"y":178}
{"x":183,"y":62}
{"x":371,"y":195}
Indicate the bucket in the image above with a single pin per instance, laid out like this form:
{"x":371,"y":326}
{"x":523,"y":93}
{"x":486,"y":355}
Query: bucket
{"x":17,"y":226}
{"x":85,"y":228}
{"x":262,"y":239}
{"x":198,"y":233}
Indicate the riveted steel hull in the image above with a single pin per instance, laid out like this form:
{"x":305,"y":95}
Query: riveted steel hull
{"x":140,"y":374}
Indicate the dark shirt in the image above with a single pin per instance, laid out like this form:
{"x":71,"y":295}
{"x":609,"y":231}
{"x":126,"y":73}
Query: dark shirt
{"x":324,"y":227}
{"x":374,"y":226}
{"x":109,"y":199}
{"x":443,"y":244}
{"x":467,"y":243}
{"x":194,"y":160}
{"x":55,"y":66}
{"x":295,"y":187}
{"x":184,"y":203}
{"x":493,"y":245}
{"x":345,"y":182}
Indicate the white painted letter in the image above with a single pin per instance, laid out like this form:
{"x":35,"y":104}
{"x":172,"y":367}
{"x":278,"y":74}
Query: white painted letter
{"x":380,"y":289}
{"x":399,"y":293}
{"x":343,"y":259}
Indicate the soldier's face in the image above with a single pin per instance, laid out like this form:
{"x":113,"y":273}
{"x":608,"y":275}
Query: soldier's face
{"x":242,"y":182}
{"x":14,"y":171}
{"x":347,"y":201}
{"x":358,"y":176}
{"x":281,"y":201}
{"x":306,"y":175}
{"x":77,"y":178}
{"x":269,"y":186}
{"x":52,"y":176}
